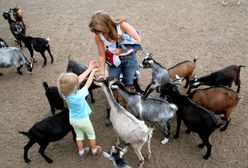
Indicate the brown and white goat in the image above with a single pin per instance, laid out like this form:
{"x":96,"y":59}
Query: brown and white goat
{"x":18,"y":15}
{"x":220,"y":100}
{"x":184,"y":70}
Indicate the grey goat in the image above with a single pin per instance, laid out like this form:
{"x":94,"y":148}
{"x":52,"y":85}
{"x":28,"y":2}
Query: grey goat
{"x":150,"y":109}
{"x":14,"y":56}
{"x":160,"y":76}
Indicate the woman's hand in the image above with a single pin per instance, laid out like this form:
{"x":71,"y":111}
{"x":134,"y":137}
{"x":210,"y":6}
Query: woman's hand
{"x":93,"y":64}
{"x":117,"y":51}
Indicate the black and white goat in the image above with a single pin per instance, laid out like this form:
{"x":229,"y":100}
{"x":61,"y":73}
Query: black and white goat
{"x":38,"y":44}
{"x":115,"y":154}
{"x":223,"y":77}
{"x":150,"y":109}
{"x":3,"y":43}
{"x":16,"y":28}
{"x":160,"y":76}
{"x":14,"y":56}
{"x":196,"y":118}
{"x":50,"y":129}
{"x":54,"y":98}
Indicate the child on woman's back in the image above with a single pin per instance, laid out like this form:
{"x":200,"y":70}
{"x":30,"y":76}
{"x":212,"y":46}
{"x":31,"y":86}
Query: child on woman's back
{"x":79,"y":109}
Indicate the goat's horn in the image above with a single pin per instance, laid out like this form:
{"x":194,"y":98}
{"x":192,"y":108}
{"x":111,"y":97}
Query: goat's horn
{"x":118,"y":147}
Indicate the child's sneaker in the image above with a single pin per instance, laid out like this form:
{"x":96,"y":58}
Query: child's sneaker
{"x":86,"y":151}
{"x":98,"y":152}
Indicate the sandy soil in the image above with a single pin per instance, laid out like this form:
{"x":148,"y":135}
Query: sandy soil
{"x":173,"y":30}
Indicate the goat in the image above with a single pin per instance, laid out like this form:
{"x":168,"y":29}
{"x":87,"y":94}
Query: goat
{"x":126,"y":126}
{"x":223,"y":77}
{"x":3,"y":43}
{"x":54,"y":98}
{"x":14,"y":56}
{"x":16,"y":28}
{"x":18,"y":15}
{"x":38,"y":44}
{"x":78,"y":68}
{"x":220,"y":100}
{"x":50,"y":129}
{"x":115,"y":155}
{"x":150,"y":109}
{"x":184,"y":70}
{"x":224,"y":3}
{"x":160,"y":76}
{"x":195,"y":117}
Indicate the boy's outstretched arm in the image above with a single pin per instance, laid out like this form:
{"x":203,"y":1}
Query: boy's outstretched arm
{"x":91,"y":77}
{"x":82,"y":76}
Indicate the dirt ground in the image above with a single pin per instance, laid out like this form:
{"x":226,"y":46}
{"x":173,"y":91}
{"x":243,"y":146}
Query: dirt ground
{"x":173,"y":30}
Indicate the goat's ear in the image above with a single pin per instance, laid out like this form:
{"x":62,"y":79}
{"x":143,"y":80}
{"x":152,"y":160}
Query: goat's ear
{"x":124,"y":150}
{"x":106,"y":155}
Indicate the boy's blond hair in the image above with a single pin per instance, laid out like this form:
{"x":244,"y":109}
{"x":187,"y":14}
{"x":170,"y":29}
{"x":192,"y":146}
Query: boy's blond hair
{"x":68,"y":83}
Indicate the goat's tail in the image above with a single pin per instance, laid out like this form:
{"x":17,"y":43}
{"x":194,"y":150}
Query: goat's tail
{"x":45,"y":85}
{"x":241,"y":66}
{"x":24,"y":133}
{"x":48,"y":39}
{"x":195,"y":59}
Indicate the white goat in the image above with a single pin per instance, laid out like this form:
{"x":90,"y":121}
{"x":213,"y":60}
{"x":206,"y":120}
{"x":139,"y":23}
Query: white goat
{"x":127,"y":126}
{"x":150,"y":109}
{"x":14,"y":56}
{"x":115,"y":155}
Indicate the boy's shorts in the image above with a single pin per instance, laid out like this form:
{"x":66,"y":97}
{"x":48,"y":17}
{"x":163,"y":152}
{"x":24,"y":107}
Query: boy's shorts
{"x":82,"y":126}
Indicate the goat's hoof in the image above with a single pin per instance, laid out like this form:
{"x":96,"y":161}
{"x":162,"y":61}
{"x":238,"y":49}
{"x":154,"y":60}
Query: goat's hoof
{"x":107,"y":122}
{"x":148,"y":156}
{"x":141,"y":163}
{"x":49,"y":160}
{"x":222,"y":129}
{"x":201,"y":145}
{"x":166,"y":140}
{"x":176,"y":136}
{"x":187,"y":131}
{"x":28,"y":160}
{"x":206,"y":157}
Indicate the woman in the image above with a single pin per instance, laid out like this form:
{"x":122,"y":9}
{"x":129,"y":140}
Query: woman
{"x":109,"y":34}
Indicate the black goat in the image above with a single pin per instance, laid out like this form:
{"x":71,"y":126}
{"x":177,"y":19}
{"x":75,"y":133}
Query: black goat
{"x":50,"y":129}
{"x":54,"y":98}
{"x":78,"y":68}
{"x":38,"y":44}
{"x":223,"y":77}
{"x":196,"y":118}
{"x":16,"y":28}
{"x":3,"y":43}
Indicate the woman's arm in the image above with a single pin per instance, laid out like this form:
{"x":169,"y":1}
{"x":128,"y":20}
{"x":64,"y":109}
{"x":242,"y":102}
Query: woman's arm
{"x":126,"y":27}
{"x":101,"y":53}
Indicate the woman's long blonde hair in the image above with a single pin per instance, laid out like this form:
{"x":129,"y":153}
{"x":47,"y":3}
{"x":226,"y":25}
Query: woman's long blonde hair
{"x":68,"y":83}
{"x":103,"y":22}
